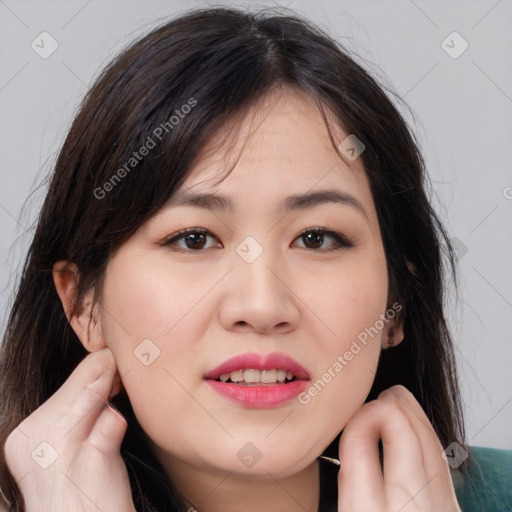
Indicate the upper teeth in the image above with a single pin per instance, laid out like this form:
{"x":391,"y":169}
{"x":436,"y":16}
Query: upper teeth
{"x":251,"y":376}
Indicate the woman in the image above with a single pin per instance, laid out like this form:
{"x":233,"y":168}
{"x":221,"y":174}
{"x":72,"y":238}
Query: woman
{"x":301,"y":359}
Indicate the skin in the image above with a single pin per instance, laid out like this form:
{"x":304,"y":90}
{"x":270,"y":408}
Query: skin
{"x":200,"y":308}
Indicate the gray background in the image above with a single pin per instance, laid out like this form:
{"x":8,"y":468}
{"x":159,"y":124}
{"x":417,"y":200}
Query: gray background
{"x":462,"y":117}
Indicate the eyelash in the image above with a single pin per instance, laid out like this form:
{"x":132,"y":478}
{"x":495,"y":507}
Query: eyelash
{"x":341,"y":241}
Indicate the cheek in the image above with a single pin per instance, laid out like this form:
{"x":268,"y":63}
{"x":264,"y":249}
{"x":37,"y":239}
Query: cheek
{"x":352,"y":310}
{"x":152,"y":318}
{"x":346,"y":299}
{"x":149,"y":301}
{"x":346,"y":365}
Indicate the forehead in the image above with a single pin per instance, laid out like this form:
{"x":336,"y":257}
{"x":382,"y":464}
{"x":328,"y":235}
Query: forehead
{"x":281,"y":145}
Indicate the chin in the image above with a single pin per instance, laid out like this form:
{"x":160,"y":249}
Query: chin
{"x":257,"y":460}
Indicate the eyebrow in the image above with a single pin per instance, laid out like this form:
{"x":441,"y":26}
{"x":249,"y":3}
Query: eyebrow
{"x":290,"y":203}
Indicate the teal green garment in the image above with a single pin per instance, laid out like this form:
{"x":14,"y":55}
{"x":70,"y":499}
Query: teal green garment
{"x":487,"y":486}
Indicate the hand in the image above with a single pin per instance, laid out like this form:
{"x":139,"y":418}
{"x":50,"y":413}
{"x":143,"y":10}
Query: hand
{"x":83,"y":434}
{"x":414,"y":476}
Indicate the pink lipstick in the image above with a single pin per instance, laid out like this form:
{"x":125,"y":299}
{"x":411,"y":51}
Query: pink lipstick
{"x":258,"y":381}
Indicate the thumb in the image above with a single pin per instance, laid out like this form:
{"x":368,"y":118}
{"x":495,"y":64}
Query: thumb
{"x":108,"y":432}
{"x":85,"y":393}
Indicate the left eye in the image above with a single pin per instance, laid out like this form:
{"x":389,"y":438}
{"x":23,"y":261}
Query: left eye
{"x":195,"y":239}
{"x":317,"y":235}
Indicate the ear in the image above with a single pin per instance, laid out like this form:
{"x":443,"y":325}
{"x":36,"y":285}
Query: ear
{"x":393,"y":333}
{"x":86,"y":322}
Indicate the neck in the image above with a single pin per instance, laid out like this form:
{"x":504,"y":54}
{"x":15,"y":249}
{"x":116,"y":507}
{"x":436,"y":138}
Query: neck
{"x":210,"y":491}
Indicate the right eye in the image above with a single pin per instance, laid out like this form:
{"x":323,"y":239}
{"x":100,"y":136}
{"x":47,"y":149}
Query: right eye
{"x":194,"y":239}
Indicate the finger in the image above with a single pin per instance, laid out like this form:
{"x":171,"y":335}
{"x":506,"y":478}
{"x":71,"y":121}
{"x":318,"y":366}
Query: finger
{"x":360,"y":481}
{"x":403,"y":473}
{"x":108,"y":431}
{"x":96,"y":373}
{"x":117,"y":385}
{"x":436,"y":469}
{"x":68,"y":415}
{"x":80,"y":400}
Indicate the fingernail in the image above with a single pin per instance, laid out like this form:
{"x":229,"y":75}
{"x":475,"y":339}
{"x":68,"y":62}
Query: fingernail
{"x":117,"y":385}
{"x":115,"y":409}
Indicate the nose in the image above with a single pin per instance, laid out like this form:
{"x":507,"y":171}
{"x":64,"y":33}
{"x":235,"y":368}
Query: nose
{"x":260,"y":296}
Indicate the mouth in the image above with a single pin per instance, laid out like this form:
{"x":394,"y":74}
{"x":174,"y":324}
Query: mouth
{"x":254,"y":377}
{"x":252,"y":368}
{"x":258,"y":381}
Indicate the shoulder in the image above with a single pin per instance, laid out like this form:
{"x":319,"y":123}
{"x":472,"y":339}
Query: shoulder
{"x":486,"y":485}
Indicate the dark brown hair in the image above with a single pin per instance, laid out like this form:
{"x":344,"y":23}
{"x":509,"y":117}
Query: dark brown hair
{"x":225,"y":60}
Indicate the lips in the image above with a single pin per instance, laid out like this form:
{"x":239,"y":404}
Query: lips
{"x":251,"y":360}
{"x":254,"y":394}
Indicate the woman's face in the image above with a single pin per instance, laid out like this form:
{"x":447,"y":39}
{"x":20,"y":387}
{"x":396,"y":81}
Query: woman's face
{"x":259,"y":282}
